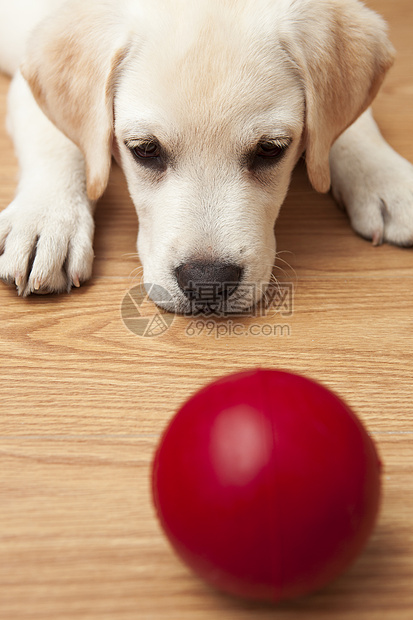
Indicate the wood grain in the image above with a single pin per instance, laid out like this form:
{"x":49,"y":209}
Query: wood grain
{"x":83,"y":402}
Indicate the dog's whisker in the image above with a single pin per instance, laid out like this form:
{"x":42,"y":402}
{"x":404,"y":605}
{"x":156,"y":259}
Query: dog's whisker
{"x":282,"y":271}
{"x":282,"y":260}
{"x":136,"y":273}
{"x":286,"y":263}
{"x":130,"y":255}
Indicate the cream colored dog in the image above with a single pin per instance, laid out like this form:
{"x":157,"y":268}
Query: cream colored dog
{"x":207,"y":105}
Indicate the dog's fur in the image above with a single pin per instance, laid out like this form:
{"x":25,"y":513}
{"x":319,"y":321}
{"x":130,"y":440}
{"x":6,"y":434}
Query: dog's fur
{"x":207,"y":84}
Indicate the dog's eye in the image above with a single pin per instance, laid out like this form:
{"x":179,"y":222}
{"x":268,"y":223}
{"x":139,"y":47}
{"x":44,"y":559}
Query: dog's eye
{"x":271,"y":150}
{"x":147,"y":150}
{"x":267,"y":153}
{"x":148,"y":153}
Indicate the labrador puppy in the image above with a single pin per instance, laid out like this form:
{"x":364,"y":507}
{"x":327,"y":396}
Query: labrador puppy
{"x":207,"y":105}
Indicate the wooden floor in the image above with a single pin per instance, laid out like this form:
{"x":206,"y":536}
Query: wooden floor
{"x":83,"y":402}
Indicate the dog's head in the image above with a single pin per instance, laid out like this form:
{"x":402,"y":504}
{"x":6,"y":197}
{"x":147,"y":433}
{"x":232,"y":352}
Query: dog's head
{"x":207,"y":105}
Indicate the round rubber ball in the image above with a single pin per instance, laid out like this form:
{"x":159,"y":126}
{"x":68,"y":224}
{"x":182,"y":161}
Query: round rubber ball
{"x":266,"y":484}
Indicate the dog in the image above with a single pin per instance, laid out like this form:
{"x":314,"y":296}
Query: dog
{"x":207,"y":105}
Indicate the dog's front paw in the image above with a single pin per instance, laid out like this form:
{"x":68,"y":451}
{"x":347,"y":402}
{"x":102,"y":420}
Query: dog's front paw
{"x":377,"y":195}
{"x":45,"y":249}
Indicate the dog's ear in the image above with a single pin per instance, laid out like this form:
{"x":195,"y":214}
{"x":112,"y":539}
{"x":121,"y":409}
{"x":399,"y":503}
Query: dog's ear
{"x":71,"y":65}
{"x":341,"y":51}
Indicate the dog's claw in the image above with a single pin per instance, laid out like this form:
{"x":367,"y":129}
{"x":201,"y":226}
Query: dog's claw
{"x":377,"y":238}
{"x":19,"y":280}
{"x":76,"y":281}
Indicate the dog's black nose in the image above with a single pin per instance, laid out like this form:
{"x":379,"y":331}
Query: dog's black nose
{"x":208,"y":282}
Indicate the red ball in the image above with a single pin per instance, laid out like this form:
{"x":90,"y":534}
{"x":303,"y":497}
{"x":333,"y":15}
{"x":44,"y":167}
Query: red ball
{"x":266,"y":484}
